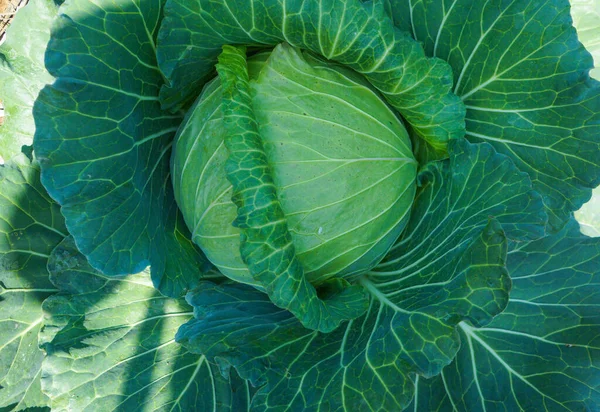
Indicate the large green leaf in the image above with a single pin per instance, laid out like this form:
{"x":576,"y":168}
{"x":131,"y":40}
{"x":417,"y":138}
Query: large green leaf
{"x":110,"y":346}
{"x":543,"y":352}
{"x":449,"y":267}
{"x":30,"y":227}
{"x":104,"y":144}
{"x":524,"y":78}
{"x":22,"y":73}
{"x":360,"y":36}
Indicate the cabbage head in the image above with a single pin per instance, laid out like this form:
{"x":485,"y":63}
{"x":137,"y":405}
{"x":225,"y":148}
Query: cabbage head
{"x":339,"y":157}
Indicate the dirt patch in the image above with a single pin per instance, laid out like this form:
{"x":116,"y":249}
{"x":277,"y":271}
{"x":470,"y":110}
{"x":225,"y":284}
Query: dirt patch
{"x":8,"y":9}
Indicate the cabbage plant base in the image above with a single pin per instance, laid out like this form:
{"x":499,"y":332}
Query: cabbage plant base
{"x":480,"y":304}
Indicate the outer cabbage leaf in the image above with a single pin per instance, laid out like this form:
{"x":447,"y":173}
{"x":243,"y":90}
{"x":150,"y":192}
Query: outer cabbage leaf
{"x":524,"y":78}
{"x":104,"y":144}
{"x":360,"y":36}
{"x":453,"y":270}
{"x":543,"y":352}
{"x":30,"y":227}
{"x":22,"y":73}
{"x":110,"y":346}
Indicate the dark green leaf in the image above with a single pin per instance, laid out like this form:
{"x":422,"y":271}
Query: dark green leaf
{"x":360,"y":36}
{"x":104,"y":143}
{"x":543,"y":352}
{"x":524,"y":78}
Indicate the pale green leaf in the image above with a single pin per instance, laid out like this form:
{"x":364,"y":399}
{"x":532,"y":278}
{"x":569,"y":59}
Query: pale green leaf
{"x":586,"y":18}
{"x":30,"y":227}
{"x":22,"y":73}
{"x":110,"y":346}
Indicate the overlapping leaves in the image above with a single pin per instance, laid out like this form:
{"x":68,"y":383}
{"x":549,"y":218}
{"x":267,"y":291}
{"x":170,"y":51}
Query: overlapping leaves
{"x":108,"y":342}
{"x":266,"y":245}
{"x":104,"y":143}
{"x":30,"y":227}
{"x":357,"y":35}
{"x":110,"y":346}
{"x":543,"y":351}
{"x":524,"y":78}
{"x":455,"y":272}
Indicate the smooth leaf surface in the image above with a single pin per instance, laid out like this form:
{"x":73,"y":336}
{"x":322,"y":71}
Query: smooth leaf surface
{"x":543,"y":352}
{"x":30,"y":227}
{"x":110,"y":346}
{"x":524,"y":78}
{"x":104,"y":143}
{"x":22,"y":73}
{"x":448,"y":266}
{"x":360,"y":36}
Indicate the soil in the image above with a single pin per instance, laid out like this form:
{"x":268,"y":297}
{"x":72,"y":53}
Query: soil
{"x":8,"y":8}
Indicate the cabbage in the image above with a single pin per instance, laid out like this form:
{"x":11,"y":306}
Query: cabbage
{"x":333,"y":205}
{"x":340,"y":159}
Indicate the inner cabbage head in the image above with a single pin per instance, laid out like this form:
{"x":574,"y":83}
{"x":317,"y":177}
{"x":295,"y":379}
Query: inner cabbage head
{"x":340,"y":157}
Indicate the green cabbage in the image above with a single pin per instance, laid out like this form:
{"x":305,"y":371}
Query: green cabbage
{"x":341,"y":162}
{"x":333,"y":205}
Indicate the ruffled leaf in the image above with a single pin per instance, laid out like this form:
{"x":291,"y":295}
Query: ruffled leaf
{"x":360,"y":36}
{"x":543,"y":351}
{"x":104,"y":143}
{"x":266,"y":243}
{"x":524,"y":78}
